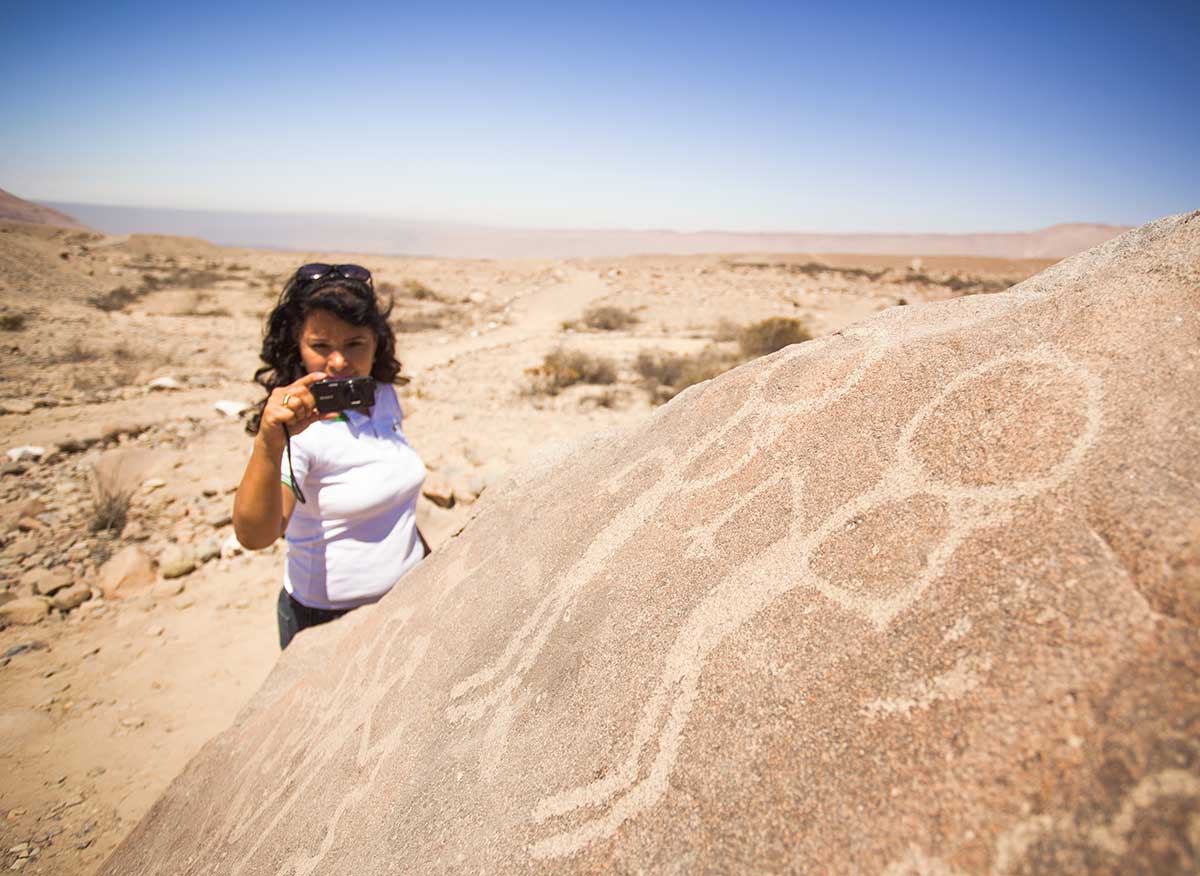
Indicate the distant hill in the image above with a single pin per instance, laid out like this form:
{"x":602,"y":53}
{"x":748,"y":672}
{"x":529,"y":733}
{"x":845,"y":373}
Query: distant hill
{"x":389,"y":236}
{"x":14,"y":209}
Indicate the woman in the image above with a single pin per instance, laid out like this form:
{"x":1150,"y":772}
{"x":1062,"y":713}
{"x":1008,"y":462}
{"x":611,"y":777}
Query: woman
{"x":341,"y":487}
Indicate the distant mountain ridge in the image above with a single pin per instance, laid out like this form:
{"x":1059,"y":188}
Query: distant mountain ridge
{"x":406,"y":237}
{"x":14,"y":209}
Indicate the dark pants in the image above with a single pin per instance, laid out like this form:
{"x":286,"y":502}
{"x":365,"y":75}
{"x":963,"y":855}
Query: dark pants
{"x":294,"y":617}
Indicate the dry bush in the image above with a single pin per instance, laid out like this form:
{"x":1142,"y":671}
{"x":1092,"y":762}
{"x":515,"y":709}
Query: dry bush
{"x":665,"y":375}
{"x":562,"y":368}
{"x":609,"y":399}
{"x":726,"y":330}
{"x":111,"y":497}
{"x":419,"y":291}
{"x":420,"y":322}
{"x":77,"y":352}
{"x":12,"y":322}
{"x":114,"y":299}
{"x":764,"y":338}
{"x":959,"y":284}
{"x":175,"y":278}
{"x":198,"y":304}
{"x":811,"y":269}
{"x":608,"y":318}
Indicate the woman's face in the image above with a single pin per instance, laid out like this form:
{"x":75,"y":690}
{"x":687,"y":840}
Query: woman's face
{"x":339,"y":348}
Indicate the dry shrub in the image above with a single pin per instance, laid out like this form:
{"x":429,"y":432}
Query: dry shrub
{"x":562,"y":368}
{"x":726,"y":330}
{"x":416,"y":289}
{"x":665,"y":375}
{"x":114,"y":299}
{"x":960,"y":284}
{"x":420,"y":322}
{"x":111,"y":497}
{"x":608,"y":398}
{"x":199,"y":303}
{"x":12,"y":322}
{"x":174,"y":278}
{"x":608,"y":318}
{"x":77,"y":352}
{"x":770,"y":335}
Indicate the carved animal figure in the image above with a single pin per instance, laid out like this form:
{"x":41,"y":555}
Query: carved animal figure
{"x":918,"y":598}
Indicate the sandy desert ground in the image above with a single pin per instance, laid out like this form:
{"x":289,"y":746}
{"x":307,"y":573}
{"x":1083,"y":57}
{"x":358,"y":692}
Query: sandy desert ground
{"x":103,"y":702}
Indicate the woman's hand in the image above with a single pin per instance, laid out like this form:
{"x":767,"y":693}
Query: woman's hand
{"x":292,"y":406}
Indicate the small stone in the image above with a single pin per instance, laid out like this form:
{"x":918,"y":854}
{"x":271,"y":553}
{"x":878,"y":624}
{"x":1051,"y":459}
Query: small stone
{"x":128,"y":571}
{"x":21,"y":648}
{"x":72,"y":597}
{"x":25,"y":451}
{"x":132,"y":722}
{"x":164,"y":383}
{"x":23,"y":547}
{"x":167,"y":588}
{"x":46,"y":582}
{"x":231,"y":408}
{"x":438,"y":490}
{"x":25,"y":610}
{"x":176,"y":561}
{"x":220,"y":517}
{"x":16,"y":406}
{"x":135,"y":531}
{"x":231,"y":547}
{"x":155,"y":631}
{"x":208,"y":549}
{"x":151,"y":484}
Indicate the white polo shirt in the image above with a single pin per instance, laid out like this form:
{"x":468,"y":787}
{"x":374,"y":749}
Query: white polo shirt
{"x":357,"y":534}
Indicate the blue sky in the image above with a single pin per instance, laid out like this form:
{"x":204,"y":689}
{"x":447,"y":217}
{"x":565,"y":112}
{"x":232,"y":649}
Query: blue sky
{"x":754,"y":116}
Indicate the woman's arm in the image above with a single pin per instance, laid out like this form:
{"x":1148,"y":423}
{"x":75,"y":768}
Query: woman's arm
{"x":263,"y":506}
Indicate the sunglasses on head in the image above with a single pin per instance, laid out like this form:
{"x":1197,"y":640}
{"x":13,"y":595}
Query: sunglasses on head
{"x":320,"y":270}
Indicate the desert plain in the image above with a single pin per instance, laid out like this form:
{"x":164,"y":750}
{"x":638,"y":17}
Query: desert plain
{"x":143,"y":628}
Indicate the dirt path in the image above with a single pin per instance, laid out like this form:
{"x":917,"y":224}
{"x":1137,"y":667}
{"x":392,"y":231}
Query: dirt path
{"x":537,"y":315}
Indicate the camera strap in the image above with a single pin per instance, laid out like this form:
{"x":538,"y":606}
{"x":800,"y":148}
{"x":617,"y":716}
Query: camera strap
{"x":296,"y":491}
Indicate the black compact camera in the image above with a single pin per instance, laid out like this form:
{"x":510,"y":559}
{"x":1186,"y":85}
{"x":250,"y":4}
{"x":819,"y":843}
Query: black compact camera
{"x":344,"y":394}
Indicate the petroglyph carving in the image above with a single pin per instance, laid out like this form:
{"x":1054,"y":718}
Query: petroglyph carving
{"x":319,"y":725}
{"x":641,"y":778}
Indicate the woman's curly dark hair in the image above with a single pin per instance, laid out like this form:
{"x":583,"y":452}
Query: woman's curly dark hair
{"x":350,"y":300}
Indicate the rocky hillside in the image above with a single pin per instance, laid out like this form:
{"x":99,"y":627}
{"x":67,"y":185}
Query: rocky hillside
{"x":14,"y":209}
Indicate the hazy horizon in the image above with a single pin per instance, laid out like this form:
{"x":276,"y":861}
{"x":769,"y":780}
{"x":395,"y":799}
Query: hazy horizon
{"x":394,"y":236}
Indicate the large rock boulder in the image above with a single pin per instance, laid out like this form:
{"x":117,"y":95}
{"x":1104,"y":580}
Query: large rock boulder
{"x":918,"y":598}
